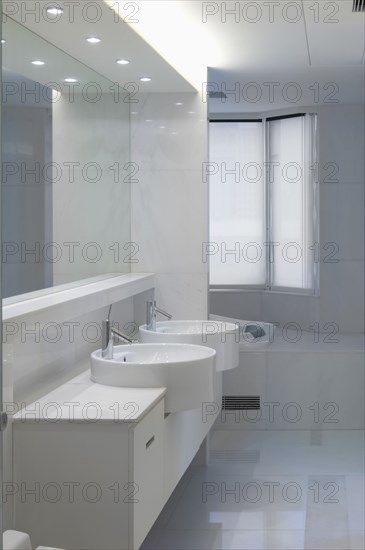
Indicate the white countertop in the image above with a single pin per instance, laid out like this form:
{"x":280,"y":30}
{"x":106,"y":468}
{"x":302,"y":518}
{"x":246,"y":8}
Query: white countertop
{"x":81,"y":400}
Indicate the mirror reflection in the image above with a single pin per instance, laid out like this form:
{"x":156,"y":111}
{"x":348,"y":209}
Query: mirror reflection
{"x":65,"y":147}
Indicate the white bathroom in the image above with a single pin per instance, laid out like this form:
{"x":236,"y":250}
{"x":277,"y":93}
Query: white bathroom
{"x":182,"y":275}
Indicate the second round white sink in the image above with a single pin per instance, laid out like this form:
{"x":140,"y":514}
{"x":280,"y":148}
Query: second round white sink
{"x":222,"y":336}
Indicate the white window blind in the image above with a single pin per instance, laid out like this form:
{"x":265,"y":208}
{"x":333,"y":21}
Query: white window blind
{"x":237,"y":199}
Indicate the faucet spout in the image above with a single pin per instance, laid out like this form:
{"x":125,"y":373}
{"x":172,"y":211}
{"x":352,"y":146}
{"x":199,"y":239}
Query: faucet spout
{"x":108,"y":333}
{"x":121,"y":336}
{"x":152,"y":311}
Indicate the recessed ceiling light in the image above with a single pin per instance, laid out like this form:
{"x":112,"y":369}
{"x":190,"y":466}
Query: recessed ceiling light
{"x":38,"y":62}
{"x":93,"y":40}
{"x":123,"y":61}
{"x":191,"y":112}
{"x":55,"y":11}
{"x":134,"y":113}
{"x":145,"y":79}
{"x":148,"y":120}
{"x":178,"y":103}
{"x":70,"y":80}
{"x":162,"y":127}
{"x":3,"y":40}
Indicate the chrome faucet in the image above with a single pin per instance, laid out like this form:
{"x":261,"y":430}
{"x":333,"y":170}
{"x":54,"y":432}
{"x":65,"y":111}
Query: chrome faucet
{"x":152,"y":310}
{"x":108,"y":333}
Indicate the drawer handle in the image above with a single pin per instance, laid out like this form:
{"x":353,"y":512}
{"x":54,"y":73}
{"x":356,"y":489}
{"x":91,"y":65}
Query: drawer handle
{"x":150,"y":441}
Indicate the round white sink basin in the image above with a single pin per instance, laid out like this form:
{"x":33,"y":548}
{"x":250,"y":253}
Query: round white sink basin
{"x":187,"y":371}
{"x":222,"y":336}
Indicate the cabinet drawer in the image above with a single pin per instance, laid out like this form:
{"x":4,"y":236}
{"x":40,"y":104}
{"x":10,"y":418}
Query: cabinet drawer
{"x":146,"y":474}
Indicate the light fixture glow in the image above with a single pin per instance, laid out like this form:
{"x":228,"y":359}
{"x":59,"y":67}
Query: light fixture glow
{"x":134,"y":113}
{"x":145,"y":79}
{"x":93,"y":40}
{"x":191,"y":112}
{"x":178,"y":103}
{"x":123,"y":61}
{"x":55,"y":11}
{"x":3,"y":41}
{"x":38,"y":62}
{"x":148,"y":120}
{"x":162,"y":127}
{"x":167,"y":35}
{"x":70,"y":80}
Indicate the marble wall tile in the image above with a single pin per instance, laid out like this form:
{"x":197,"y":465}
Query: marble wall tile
{"x":238,"y":305}
{"x":342,"y":295}
{"x":184,"y":295}
{"x":342,"y":221}
{"x":169,"y":136}
{"x":170,"y":198}
{"x":290,"y":308}
{"x":169,"y":223}
{"x":341,"y":141}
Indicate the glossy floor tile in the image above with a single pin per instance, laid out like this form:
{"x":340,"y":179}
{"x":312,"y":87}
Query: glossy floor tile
{"x":296,"y":490}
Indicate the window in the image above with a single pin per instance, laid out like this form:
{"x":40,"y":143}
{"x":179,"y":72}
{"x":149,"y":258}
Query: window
{"x":263,"y":204}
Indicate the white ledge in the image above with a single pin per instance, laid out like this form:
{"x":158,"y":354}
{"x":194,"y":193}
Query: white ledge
{"x":132,"y":403}
{"x":72,"y":302}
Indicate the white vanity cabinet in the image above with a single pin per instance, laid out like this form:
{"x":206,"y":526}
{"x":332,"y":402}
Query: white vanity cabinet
{"x":146,"y":470}
{"x":94,"y":465}
{"x":89,"y":485}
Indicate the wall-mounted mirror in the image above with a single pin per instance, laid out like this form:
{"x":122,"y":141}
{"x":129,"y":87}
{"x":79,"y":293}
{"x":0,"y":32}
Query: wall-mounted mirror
{"x":65,"y":148}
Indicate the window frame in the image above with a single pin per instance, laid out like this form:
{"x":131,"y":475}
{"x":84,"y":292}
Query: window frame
{"x":265,"y":118}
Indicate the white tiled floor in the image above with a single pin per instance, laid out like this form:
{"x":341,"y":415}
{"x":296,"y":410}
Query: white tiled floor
{"x":295,"y":490}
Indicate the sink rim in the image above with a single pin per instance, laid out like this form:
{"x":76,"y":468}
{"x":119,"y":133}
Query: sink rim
{"x":232,"y":328}
{"x":206,"y":354}
{"x":190,"y":381}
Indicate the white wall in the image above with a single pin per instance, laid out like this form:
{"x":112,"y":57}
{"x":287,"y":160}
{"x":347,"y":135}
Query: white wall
{"x":303,"y":385}
{"x":342,"y":217}
{"x":169,"y":200}
{"x":341,"y":300}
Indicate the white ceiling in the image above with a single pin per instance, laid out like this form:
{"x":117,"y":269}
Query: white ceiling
{"x":281,"y":41}
{"x":324,"y":47}
{"x":69,"y":32}
{"x":324,"y":44}
{"x":262,"y":37}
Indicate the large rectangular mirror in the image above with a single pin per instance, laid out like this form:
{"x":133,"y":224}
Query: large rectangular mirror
{"x":66,"y":164}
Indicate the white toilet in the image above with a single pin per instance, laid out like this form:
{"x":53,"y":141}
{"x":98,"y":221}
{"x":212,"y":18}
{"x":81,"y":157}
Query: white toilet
{"x":16,"y":540}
